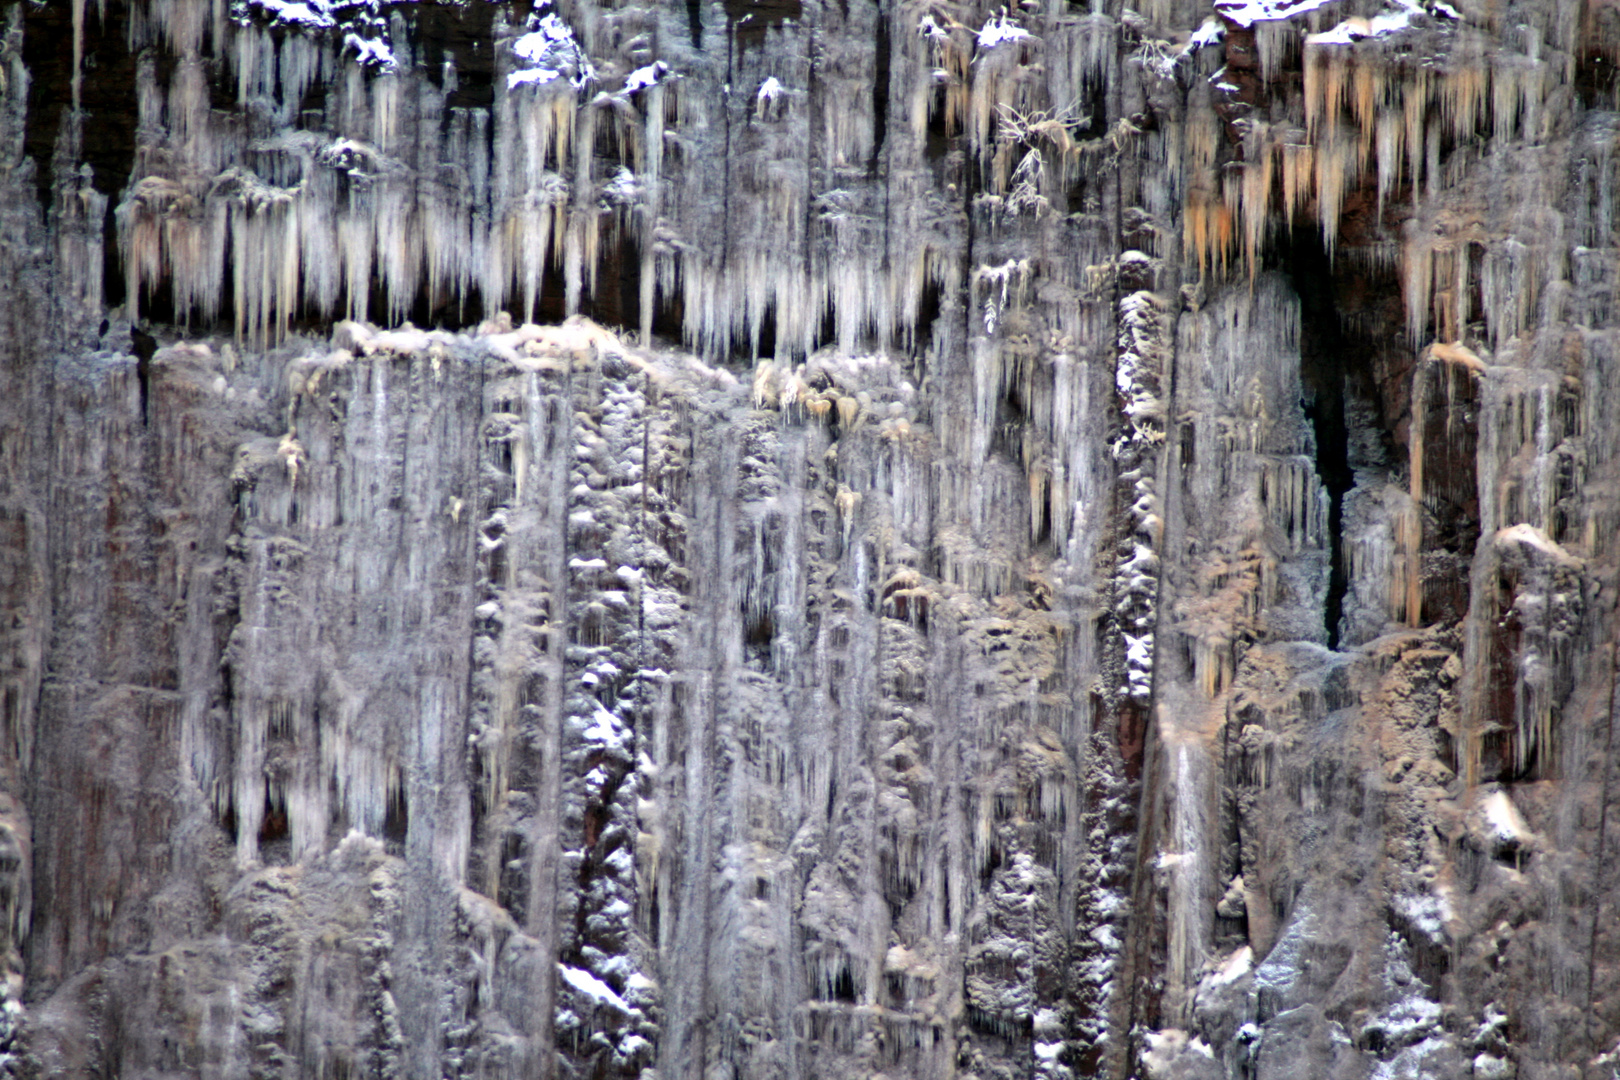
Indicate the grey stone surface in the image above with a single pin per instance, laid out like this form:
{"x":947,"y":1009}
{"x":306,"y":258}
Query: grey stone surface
{"x":921,"y":540}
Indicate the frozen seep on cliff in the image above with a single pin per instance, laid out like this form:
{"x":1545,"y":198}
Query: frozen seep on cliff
{"x":918,"y":540}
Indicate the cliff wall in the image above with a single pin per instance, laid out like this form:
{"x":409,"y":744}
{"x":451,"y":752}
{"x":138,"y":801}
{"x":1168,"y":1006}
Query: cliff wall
{"x":798,"y":539}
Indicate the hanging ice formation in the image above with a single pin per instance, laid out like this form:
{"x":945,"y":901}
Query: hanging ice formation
{"x":808,"y":540}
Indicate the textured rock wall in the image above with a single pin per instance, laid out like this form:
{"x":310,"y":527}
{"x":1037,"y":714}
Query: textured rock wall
{"x":1073,"y":542}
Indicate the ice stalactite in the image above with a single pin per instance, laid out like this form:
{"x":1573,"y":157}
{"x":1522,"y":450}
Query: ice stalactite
{"x":1241,"y":493}
{"x":1369,"y":112}
{"x":789,"y":258}
{"x":1525,"y":601}
{"x":1185,"y":863}
{"x":1280,"y":530}
{"x":792,"y":255}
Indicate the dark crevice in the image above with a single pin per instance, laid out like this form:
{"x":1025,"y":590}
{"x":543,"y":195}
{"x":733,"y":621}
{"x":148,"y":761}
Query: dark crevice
{"x":928,"y":310}
{"x":1597,"y":80}
{"x":461,"y":37}
{"x":669,"y":315}
{"x":397,"y":819}
{"x":444,"y":310}
{"x":1355,"y":365}
{"x":751,"y":20}
{"x":694,"y":19}
{"x":144,"y":346}
{"x":880,"y":92}
{"x":623,"y":281}
{"x":108,"y":129}
{"x":843,"y":986}
{"x":1327,"y":356}
{"x":273,"y":824}
{"x":742,"y":345}
{"x":114,"y":292}
{"x":937,"y":138}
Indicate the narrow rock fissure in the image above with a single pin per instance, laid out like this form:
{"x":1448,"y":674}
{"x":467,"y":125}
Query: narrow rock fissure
{"x":694,"y":22}
{"x":1336,"y":377}
{"x":1322,"y":355}
{"x":880,"y":95}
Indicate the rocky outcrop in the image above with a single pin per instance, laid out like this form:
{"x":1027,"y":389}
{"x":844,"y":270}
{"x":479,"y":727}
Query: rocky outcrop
{"x":917,"y":540}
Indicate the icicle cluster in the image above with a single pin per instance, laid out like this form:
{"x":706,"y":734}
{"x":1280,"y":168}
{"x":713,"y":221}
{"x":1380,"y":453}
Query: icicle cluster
{"x":1405,"y":103}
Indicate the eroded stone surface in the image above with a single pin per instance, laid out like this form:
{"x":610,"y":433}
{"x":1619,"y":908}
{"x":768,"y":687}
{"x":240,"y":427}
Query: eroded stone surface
{"x":1077,"y":542}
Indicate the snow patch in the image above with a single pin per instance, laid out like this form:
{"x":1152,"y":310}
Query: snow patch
{"x":1280,"y":968}
{"x":368,"y":52}
{"x":364,"y":30}
{"x":1207,"y":34}
{"x":1414,"y":1060}
{"x":551,"y":48}
{"x":593,"y":988}
{"x":1166,"y":1048}
{"x":314,"y":15}
{"x":998,"y":29}
{"x":1246,"y":13}
{"x":536,"y":76}
{"x":1528,"y":536}
{"x":1506,"y":824}
{"x":766,"y":98}
{"x":644,"y":77}
{"x":1353,"y":30}
{"x":1406,"y":1018}
{"x":1427,"y":912}
{"x":625,"y":187}
{"x":606,"y":730}
{"x":1236,"y":966}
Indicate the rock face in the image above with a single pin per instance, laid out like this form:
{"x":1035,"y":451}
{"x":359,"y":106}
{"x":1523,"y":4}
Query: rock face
{"x":923,"y":539}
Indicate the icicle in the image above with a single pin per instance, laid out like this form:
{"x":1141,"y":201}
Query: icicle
{"x":1414,"y":111}
{"x":1506,"y":97}
{"x":78,"y":53}
{"x":1366,"y":96}
{"x":1276,"y":41}
{"x":1298,"y":168}
{"x":1391,"y":130}
{"x":1462,"y":95}
{"x":1256,"y":195}
{"x":1412,"y":524}
{"x":1335,"y":158}
{"x":1417,"y":272}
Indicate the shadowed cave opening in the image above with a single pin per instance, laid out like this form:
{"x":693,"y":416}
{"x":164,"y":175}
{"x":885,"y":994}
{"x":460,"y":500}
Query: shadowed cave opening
{"x":460,"y":36}
{"x":108,"y":70}
{"x":880,"y":96}
{"x":694,"y":21}
{"x":109,"y":125}
{"x":749,"y":20}
{"x":1339,"y":311}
